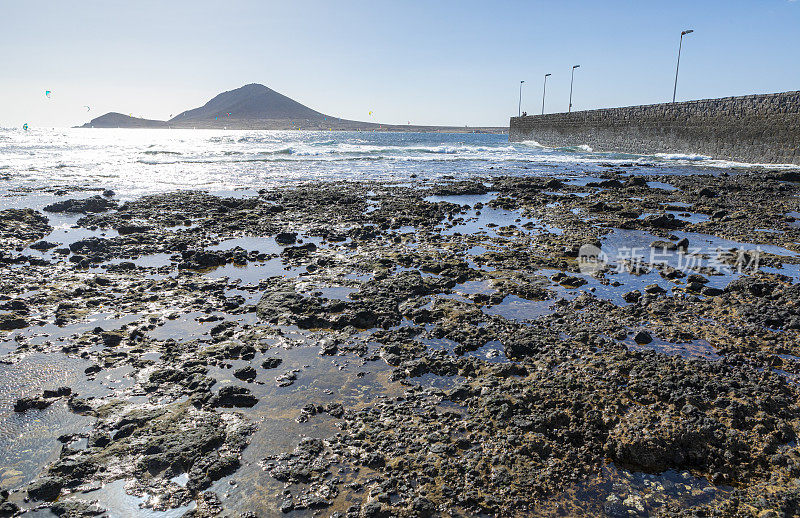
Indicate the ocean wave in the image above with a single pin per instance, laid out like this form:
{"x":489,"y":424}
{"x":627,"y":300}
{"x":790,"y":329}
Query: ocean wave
{"x":282,"y":151}
{"x":534,"y":144}
{"x":682,"y":156}
{"x":716,"y":163}
{"x":258,"y":139}
{"x":580,"y":148}
{"x":355,"y":150}
{"x":135,"y":161}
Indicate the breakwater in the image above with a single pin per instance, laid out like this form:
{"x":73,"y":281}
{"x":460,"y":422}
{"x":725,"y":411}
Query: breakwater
{"x":753,"y":128}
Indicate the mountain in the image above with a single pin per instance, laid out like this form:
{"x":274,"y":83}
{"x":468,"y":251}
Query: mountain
{"x":250,"y":102}
{"x":118,"y":120}
{"x":255,"y":106}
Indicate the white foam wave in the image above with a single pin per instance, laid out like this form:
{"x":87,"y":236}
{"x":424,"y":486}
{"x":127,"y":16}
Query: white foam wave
{"x":533,"y":143}
{"x":682,"y":156}
{"x":154,"y":160}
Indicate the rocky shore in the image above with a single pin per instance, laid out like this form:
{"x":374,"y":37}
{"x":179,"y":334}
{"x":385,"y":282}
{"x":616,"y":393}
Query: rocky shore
{"x":367,"y":349}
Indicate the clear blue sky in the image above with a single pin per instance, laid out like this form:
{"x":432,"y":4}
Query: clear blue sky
{"x":427,"y":62}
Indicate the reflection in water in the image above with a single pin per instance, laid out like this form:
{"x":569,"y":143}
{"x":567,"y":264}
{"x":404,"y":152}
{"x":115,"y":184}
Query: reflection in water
{"x":120,"y":504}
{"x":321,"y":380}
{"x":28,"y":440}
{"x":516,"y":308}
{"x":694,"y":349}
{"x":617,"y":492}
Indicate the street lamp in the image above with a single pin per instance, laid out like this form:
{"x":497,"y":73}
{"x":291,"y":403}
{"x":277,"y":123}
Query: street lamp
{"x":519,"y":109}
{"x":678,"y":66}
{"x":572,"y":79}
{"x":544,"y":90}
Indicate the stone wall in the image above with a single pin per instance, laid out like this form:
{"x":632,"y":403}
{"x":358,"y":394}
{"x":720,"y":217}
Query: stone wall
{"x":753,"y":128}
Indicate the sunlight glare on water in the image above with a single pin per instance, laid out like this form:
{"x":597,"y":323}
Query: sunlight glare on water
{"x":140,"y":161}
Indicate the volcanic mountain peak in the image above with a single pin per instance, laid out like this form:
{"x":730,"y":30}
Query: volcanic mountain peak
{"x":250,"y":102}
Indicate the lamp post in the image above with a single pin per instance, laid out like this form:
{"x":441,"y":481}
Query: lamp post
{"x":572,"y":80}
{"x":519,"y":109}
{"x":544,"y":90}
{"x":678,"y":66}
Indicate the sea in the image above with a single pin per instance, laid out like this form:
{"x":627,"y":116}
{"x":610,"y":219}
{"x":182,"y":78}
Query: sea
{"x":134,"y":162}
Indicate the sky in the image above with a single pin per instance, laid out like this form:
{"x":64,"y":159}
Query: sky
{"x":419,"y":62}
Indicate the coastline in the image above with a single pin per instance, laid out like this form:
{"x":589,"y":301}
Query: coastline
{"x":368,"y":343}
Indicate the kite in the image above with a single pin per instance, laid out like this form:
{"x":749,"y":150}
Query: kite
{"x":47,"y":93}
{"x":25,"y":126}
{"x":87,"y":108}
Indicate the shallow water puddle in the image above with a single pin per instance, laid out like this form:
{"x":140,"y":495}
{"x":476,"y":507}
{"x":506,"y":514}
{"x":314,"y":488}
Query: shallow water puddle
{"x":196,"y":325}
{"x":662,"y":185}
{"x":691,"y":217}
{"x":567,"y":194}
{"x":254,"y":272}
{"x":28,"y":440}
{"x":463,"y":199}
{"x":633,"y":247}
{"x":617,"y":492}
{"x":320,"y":380}
{"x":362,"y":277}
{"x":515,"y":308}
{"x":266,"y":245}
{"x":146,"y":261}
{"x":492,"y":352}
{"x":38,"y":335}
{"x":488,"y":221}
{"x":186,"y":326}
{"x":336,"y":292}
{"x":712,"y":243}
{"x":701,"y":349}
{"x":120,"y":504}
{"x":64,"y":233}
{"x":475,"y":287}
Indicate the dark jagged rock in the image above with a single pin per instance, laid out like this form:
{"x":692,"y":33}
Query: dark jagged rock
{"x":286,"y":238}
{"x":19,"y":226}
{"x":233,"y":396}
{"x":82,"y":206}
{"x":24,"y":404}
{"x":245,"y":373}
{"x":11,"y":321}
{"x":45,"y":488}
{"x":59,"y":392}
{"x":271,"y":363}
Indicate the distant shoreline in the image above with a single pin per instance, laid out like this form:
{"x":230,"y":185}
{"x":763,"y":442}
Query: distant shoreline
{"x":256,"y":107}
{"x":392,"y":129}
